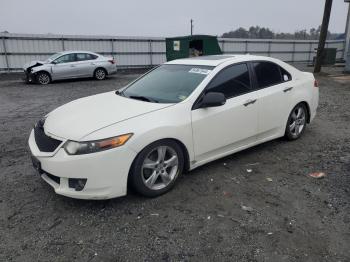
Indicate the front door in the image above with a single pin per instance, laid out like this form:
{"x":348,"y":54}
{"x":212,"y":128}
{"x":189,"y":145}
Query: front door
{"x":228,"y":128}
{"x":64,"y":67}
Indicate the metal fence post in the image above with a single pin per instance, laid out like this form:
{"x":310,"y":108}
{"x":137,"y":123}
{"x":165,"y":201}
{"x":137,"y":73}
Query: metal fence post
{"x":269,"y":49}
{"x":310,"y":52}
{"x":5,"y":52}
{"x":112,"y":47}
{"x":62,"y":41}
{"x":293,"y":52}
{"x":150,"y":52}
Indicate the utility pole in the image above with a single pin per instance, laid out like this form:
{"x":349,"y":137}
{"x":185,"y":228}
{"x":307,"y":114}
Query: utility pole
{"x":191,"y":26}
{"x":347,"y":40}
{"x":323,"y":35}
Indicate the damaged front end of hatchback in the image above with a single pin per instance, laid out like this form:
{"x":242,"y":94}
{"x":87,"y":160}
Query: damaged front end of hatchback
{"x":30,"y":72}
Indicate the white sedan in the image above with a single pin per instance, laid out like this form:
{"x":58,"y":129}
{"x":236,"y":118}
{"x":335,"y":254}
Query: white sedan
{"x":179,"y":116}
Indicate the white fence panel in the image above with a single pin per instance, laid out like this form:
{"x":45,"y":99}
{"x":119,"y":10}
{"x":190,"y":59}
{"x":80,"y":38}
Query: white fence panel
{"x":141,"y":51}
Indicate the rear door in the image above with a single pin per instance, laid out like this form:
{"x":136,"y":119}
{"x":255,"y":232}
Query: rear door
{"x":64,"y":67}
{"x":223,"y":129}
{"x":86,"y":64}
{"x":274,"y":87}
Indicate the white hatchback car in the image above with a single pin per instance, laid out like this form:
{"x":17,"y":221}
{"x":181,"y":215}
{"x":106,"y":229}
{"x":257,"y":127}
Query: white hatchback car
{"x":179,"y":116}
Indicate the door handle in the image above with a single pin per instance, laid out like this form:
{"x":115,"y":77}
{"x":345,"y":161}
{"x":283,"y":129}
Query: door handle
{"x":249,"y":102}
{"x":288,"y":89}
{"x":72,"y":65}
{"x":93,"y":64}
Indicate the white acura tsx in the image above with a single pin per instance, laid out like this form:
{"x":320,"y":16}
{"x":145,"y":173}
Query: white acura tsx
{"x":178,"y":116}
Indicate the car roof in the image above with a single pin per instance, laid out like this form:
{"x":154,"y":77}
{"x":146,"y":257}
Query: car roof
{"x":215,"y":60}
{"x":77,"y":51}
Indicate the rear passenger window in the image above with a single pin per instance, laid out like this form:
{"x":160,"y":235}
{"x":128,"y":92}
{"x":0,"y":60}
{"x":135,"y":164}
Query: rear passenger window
{"x":231,"y":81}
{"x":286,"y":76}
{"x":91,"y":56}
{"x":267,"y":74}
{"x":85,"y":56}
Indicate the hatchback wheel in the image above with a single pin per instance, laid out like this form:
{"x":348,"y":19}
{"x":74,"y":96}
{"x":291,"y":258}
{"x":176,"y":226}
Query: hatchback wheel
{"x":43,"y":78}
{"x":156,"y":168}
{"x":296,"y":122}
{"x":100,"y":74}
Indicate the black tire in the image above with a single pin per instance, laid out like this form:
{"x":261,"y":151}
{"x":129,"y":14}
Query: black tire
{"x":43,"y":78}
{"x":296,"y":131}
{"x":137,"y":175}
{"x":100,"y":73}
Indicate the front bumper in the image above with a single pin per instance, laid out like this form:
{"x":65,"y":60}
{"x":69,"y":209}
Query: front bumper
{"x":106,"y":172}
{"x":112,"y":70}
{"x":29,"y":77}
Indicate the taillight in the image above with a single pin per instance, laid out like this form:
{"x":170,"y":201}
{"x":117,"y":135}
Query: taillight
{"x":315,"y":83}
{"x":112,"y":61}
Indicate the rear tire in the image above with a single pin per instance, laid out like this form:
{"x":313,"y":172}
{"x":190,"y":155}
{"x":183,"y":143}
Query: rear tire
{"x":43,"y":78}
{"x":100,"y":74}
{"x":296,"y":123}
{"x":156,"y":168}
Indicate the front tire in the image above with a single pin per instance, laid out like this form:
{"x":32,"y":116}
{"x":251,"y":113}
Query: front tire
{"x":156,"y":168}
{"x":43,"y":78}
{"x":100,"y":74}
{"x":296,"y":122}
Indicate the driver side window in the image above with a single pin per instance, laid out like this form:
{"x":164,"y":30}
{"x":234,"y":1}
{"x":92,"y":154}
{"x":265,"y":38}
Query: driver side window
{"x":65,"y":59}
{"x":231,"y":81}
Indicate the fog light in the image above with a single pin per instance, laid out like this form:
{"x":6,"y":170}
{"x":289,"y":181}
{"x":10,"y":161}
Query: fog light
{"x":77,"y":183}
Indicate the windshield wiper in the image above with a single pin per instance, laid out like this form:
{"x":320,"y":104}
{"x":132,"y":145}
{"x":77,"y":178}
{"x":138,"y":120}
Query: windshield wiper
{"x":143,"y":98}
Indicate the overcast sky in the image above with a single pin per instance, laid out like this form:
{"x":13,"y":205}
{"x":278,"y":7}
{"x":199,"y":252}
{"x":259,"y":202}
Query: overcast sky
{"x":164,"y":17}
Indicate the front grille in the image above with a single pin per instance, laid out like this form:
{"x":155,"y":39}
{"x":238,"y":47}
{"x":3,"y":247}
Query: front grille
{"x":44,"y":142}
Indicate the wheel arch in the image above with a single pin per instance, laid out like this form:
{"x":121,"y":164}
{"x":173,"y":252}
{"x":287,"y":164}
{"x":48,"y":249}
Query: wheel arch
{"x":42,"y":71}
{"x":101,"y":67}
{"x":177,"y":141}
{"x":307,"y":109}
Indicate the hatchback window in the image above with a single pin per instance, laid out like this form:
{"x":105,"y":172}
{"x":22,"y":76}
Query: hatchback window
{"x":167,"y":83}
{"x":65,"y":59}
{"x":231,"y":81}
{"x":267,"y":74}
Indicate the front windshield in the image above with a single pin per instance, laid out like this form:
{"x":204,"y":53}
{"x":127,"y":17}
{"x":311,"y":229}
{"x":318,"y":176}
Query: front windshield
{"x":53,"y":57}
{"x":168,"y":83}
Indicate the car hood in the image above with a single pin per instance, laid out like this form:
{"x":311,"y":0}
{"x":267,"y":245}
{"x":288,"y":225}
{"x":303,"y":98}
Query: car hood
{"x":33,"y":64}
{"x":81,"y":117}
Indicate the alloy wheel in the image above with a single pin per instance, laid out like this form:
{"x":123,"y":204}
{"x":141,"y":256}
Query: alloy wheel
{"x":160,"y":167}
{"x":297,"y":121}
{"x":100,"y":74}
{"x":43,"y":79}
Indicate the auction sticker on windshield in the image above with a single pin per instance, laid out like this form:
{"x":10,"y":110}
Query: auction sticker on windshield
{"x":199,"y":71}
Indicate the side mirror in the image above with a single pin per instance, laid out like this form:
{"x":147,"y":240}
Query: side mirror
{"x":53,"y":62}
{"x":212,"y":99}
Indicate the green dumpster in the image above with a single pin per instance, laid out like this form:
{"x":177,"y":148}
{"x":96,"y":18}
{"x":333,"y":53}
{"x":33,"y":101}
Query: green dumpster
{"x":190,"y":46}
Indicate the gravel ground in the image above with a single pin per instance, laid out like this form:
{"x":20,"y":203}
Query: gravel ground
{"x":218,"y":212}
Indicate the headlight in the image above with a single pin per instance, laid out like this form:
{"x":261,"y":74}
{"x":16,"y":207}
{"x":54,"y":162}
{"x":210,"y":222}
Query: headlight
{"x":80,"y":148}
